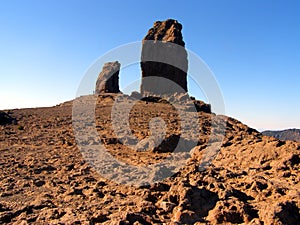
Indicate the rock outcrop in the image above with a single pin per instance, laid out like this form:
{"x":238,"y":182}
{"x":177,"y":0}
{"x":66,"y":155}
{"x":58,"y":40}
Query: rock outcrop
{"x":5,"y":118}
{"x":51,"y":176}
{"x":164,"y":56}
{"x":108,"y":79}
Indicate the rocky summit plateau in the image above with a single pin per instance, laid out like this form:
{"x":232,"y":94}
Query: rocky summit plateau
{"x":245,"y":177}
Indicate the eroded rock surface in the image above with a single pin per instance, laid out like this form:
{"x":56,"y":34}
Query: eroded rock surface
{"x":45,"y":180}
{"x":108,"y":79}
{"x":164,"y":56}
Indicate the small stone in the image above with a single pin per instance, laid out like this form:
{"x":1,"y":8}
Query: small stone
{"x":39,"y":183}
{"x":167,"y":206}
{"x":186,"y":217}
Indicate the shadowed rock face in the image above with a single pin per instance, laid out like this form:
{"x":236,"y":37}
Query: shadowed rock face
{"x":5,"y":118}
{"x":164,"y":56}
{"x":108,"y":79}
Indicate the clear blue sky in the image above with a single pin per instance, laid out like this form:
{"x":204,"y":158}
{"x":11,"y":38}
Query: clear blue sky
{"x":252,"y":47}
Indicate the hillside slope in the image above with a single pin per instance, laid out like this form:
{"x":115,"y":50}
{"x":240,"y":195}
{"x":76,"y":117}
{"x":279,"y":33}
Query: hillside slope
{"x":289,"y":134}
{"x":254,"y":179}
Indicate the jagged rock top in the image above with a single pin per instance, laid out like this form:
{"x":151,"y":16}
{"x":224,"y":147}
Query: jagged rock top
{"x":164,"y":60}
{"x":169,"y":31}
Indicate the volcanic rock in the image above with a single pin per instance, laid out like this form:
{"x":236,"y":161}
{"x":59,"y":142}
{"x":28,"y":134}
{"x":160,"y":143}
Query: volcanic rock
{"x":253,"y":179}
{"x":233,"y":174}
{"x":5,"y":118}
{"x":108,"y":79}
{"x":136,"y":95}
{"x":164,"y":56}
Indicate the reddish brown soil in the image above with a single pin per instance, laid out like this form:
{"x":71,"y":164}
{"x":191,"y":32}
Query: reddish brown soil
{"x":45,"y":180}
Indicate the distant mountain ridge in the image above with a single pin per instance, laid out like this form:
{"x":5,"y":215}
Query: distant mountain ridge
{"x":289,"y":134}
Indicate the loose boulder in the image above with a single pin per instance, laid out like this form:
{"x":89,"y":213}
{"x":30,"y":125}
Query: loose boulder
{"x":5,"y":118}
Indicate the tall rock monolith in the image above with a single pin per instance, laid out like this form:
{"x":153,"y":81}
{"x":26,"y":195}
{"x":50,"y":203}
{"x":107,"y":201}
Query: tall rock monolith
{"x":164,"y":61}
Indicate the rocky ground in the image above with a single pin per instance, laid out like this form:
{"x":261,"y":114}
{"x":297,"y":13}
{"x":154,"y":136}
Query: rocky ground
{"x":44,"y":178}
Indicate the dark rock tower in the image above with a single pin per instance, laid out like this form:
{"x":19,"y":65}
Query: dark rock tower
{"x":164,"y":56}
